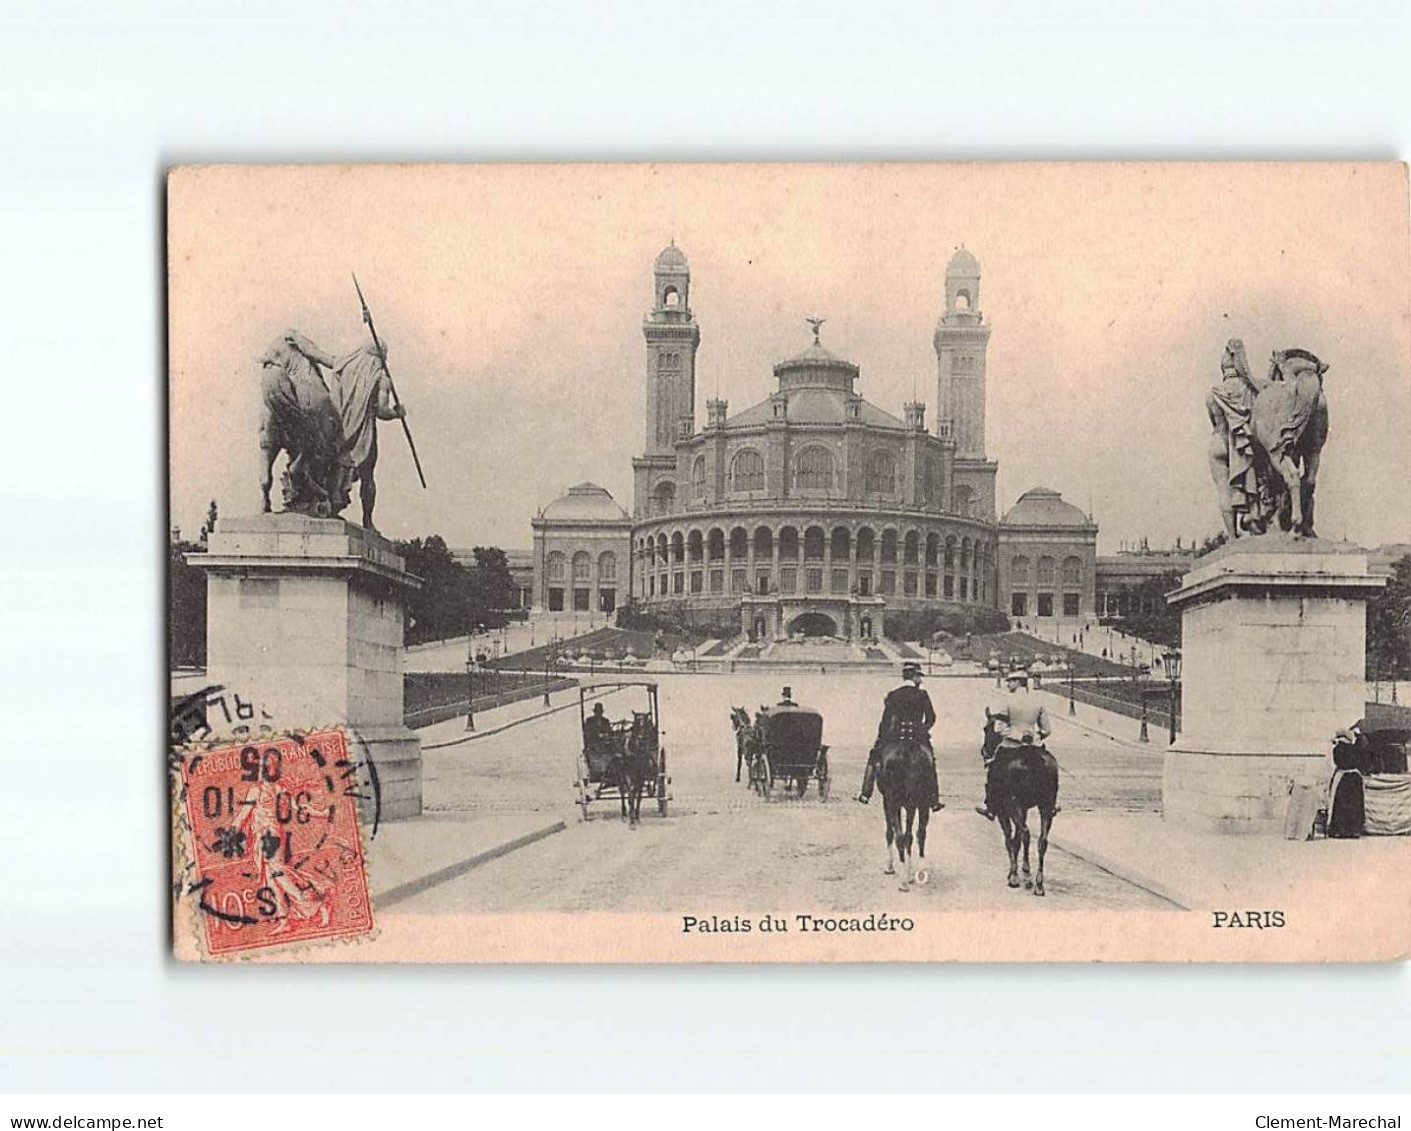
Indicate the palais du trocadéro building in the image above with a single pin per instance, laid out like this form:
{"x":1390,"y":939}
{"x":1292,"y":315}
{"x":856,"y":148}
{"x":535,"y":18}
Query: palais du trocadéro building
{"x":814,"y":511}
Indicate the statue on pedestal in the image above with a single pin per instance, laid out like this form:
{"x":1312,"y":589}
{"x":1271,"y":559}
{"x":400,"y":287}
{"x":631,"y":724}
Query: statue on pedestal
{"x":322,"y":412}
{"x":1267,"y":435}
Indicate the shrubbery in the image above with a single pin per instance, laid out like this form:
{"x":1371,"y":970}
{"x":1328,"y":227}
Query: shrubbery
{"x":952,"y":622}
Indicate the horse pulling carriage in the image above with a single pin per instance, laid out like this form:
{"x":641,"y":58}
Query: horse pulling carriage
{"x":626,"y":761}
{"x":789,"y":747}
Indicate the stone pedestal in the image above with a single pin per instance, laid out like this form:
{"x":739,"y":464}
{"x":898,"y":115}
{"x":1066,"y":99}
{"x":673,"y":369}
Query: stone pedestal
{"x":1273,"y":645}
{"x":305,"y":618}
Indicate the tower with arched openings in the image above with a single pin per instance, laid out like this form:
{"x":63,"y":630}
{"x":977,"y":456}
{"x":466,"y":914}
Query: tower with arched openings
{"x":961,"y":340}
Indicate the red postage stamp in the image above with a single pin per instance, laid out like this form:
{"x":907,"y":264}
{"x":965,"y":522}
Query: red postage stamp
{"x":277,"y":857}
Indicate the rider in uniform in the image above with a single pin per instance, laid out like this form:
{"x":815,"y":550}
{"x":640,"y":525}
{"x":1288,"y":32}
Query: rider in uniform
{"x":907,"y":713}
{"x":1017,"y":721}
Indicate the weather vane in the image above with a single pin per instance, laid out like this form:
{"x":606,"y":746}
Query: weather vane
{"x":817,"y":324}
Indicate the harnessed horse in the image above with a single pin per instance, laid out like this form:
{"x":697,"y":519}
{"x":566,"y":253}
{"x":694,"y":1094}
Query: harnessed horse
{"x":632,"y":768}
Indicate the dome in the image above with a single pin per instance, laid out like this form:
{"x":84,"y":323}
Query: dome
{"x":963,"y":265}
{"x":672,"y":259}
{"x":1041,"y":507}
{"x":587,"y":502}
{"x":816,"y":367}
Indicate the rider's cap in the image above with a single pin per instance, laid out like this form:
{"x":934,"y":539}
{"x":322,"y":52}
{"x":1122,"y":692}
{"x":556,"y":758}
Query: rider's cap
{"x":597,"y":708}
{"x":788,"y":693}
{"x":909,"y":670}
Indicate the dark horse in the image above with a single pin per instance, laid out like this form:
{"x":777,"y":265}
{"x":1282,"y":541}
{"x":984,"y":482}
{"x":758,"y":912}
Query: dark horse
{"x":1023,"y":778}
{"x":745,"y":736}
{"x":904,"y":779}
{"x":631,"y":770}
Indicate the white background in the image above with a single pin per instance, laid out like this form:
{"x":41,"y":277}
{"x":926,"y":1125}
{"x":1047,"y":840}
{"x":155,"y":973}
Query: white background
{"x":96,"y":101}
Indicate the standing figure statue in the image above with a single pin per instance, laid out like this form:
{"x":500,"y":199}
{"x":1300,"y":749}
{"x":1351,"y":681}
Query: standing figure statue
{"x":1265,"y":441}
{"x":364,"y":397}
{"x":1232,"y":457}
{"x":322,"y":412}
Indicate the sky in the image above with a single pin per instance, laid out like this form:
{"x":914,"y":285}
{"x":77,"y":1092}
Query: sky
{"x":512,"y":296}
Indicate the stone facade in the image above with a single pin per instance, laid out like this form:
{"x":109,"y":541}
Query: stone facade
{"x":582,"y":553}
{"x":812,"y":510}
{"x":1273,"y":642}
{"x":306,"y":620}
{"x":1047,"y":568}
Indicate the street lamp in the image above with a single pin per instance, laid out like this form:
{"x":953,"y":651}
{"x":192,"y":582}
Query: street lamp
{"x":1072,"y":669}
{"x":470,"y":679}
{"x":1171,"y":661}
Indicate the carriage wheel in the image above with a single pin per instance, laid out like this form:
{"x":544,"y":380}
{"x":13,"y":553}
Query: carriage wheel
{"x":823,"y":778}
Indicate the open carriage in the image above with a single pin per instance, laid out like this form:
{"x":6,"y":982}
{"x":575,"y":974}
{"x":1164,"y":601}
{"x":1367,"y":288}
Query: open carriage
{"x":790,"y":750}
{"x":600,"y":757}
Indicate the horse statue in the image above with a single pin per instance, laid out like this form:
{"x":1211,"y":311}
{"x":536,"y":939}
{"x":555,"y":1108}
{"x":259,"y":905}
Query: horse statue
{"x":637,"y":764}
{"x":299,"y":417}
{"x":1023,"y":777}
{"x":1266,"y":439}
{"x":904,"y":779}
{"x":1290,"y":423}
{"x":325,"y":423}
{"x":745,"y":738}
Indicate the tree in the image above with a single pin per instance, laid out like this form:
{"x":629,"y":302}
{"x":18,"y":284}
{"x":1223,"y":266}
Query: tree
{"x":1389,"y":626}
{"x":1162,"y":625}
{"x":492,"y":587}
{"x":441,"y":607}
{"x":186,"y":604}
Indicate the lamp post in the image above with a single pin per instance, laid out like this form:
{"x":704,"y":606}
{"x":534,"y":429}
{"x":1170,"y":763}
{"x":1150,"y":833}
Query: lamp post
{"x":1171,"y":661}
{"x":470,"y":680}
{"x":1072,"y":671}
{"x":1144,"y":736}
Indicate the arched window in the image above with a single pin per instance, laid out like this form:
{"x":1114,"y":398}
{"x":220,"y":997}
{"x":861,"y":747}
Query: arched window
{"x":582,"y":566}
{"x":1072,"y":571}
{"x":950,"y":551}
{"x":866,"y":544}
{"x":814,"y":470}
{"x":880,"y":477}
{"x":931,"y":485}
{"x":813,"y":543}
{"x":788,"y":544}
{"x":889,"y":547}
{"x":698,"y":484}
{"x":664,"y":497}
{"x":661,"y":549}
{"x":763,"y":543}
{"x":962,"y":299}
{"x":555,"y":564}
{"x":1019,"y":571}
{"x":911,"y":548}
{"x":671,"y":297}
{"x":964,"y":500}
{"x":739,"y":544}
{"x":747,"y":471}
{"x":933,"y":550}
{"x":607,"y":566}
{"x":840,"y":544}
{"x":1045,"y":571}
{"x":715,"y":545}
{"x":695,"y":546}
{"x":678,"y":548}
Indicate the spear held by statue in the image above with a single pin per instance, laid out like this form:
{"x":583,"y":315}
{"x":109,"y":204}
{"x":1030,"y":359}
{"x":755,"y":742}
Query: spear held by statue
{"x":396,"y":403}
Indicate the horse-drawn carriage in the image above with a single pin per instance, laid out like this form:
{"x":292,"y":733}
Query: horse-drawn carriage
{"x":789,"y":747}
{"x":622,"y":759}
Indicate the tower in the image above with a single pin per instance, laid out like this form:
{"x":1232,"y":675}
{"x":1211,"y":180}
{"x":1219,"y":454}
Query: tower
{"x":672,"y":339}
{"x":961,"y":340}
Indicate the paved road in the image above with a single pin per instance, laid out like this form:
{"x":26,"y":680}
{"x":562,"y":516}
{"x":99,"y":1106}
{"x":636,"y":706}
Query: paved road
{"x":724,"y":848}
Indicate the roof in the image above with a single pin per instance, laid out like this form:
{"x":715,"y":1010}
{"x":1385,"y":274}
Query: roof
{"x":815,"y":406}
{"x":587,"y":502}
{"x":1040,"y":506}
{"x":672,"y":258}
{"x":964,"y":264}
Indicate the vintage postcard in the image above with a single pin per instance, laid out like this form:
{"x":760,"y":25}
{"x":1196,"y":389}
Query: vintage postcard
{"x":790,"y":563}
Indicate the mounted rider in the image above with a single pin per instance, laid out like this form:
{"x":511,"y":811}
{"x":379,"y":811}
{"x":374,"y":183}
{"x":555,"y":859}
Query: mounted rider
{"x":907,"y":715}
{"x":1016,"y":722}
